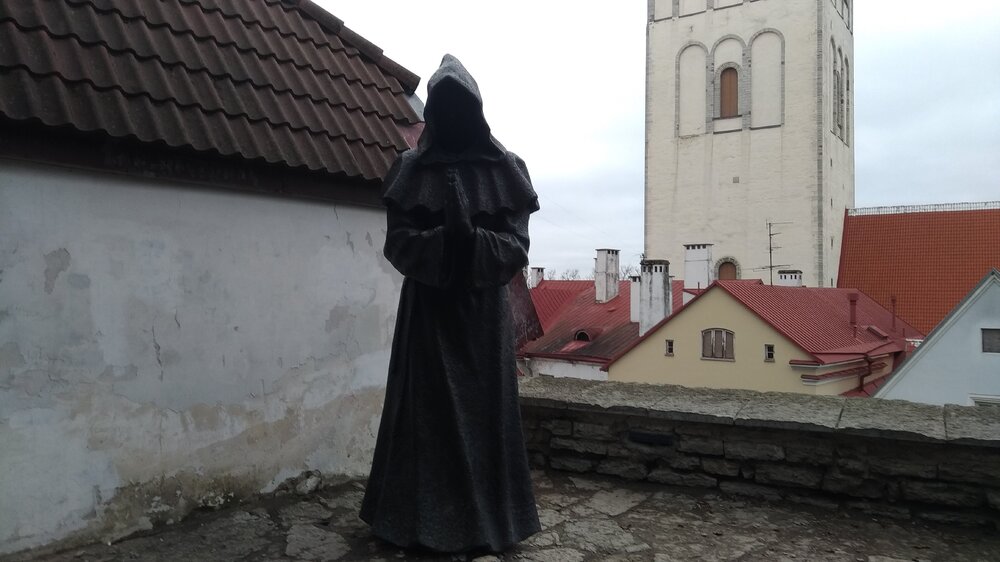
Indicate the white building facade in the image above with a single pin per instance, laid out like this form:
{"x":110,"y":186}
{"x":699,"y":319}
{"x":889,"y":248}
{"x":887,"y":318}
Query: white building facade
{"x":959,"y":362}
{"x":749,"y":121}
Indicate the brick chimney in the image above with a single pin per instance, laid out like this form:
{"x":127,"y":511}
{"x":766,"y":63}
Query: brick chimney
{"x":606,"y":275}
{"x":655,"y":302}
{"x":697,"y":266}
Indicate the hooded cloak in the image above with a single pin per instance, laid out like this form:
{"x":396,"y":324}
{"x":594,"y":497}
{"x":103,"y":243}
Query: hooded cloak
{"x":450,"y":471}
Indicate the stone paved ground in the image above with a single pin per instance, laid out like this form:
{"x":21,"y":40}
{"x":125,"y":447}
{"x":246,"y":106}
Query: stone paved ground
{"x":584,"y":518}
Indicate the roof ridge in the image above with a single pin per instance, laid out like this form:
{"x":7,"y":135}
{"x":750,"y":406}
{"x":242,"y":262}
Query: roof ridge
{"x":928,"y":208}
{"x":277,"y":57}
{"x":407,"y":79}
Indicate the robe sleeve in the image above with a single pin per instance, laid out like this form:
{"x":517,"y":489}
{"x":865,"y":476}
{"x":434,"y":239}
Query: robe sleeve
{"x":499,"y":249}
{"x":417,"y":249}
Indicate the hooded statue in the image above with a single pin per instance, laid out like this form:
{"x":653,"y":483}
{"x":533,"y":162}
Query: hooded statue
{"x":450,"y":470}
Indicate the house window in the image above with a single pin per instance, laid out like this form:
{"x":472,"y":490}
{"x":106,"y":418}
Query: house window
{"x":991,"y":340}
{"x":669,"y":351}
{"x":769,"y":352}
{"x":717,"y":343}
{"x":582,"y":336}
{"x":729,"y":99}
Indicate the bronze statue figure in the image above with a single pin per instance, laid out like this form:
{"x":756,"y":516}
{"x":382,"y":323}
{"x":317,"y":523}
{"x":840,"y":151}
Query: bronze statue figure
{"x":450,"y":471}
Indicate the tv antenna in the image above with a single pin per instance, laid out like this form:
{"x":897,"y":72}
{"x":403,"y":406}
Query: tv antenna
{"x":770,"y":267}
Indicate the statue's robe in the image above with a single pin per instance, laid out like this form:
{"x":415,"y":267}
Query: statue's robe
{"x":450,"y":471}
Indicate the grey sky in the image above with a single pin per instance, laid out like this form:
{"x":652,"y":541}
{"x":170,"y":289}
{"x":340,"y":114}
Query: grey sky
{"x":563,"y":85}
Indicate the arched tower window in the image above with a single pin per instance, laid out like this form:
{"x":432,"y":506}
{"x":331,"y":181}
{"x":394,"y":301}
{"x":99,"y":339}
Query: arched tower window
{"x":727,"y":270}
{"x":729,"y":98}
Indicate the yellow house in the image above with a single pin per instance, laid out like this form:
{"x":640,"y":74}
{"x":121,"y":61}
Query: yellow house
{"x":748,"y":335}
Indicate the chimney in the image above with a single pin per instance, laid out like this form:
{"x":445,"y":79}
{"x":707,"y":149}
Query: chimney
{"x":789,"y":278}
{"x":634,"y":291}
{"x":536,"y":277}
{"x":654,"y":294}
{"x":853,"y":299}
{"x":606,"y":275}
{"x":697,"y":266}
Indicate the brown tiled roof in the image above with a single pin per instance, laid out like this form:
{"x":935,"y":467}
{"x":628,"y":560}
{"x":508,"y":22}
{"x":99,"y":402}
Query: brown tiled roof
{"x":928,"y":257}
{"x":277,"y":81}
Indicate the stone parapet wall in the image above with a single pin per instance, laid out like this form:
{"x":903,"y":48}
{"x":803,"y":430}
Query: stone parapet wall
{"x":882,"y":457}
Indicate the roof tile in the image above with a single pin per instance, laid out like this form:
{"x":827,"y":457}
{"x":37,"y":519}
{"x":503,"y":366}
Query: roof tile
{"x":261,"y":79}
{"x":928,"y":259}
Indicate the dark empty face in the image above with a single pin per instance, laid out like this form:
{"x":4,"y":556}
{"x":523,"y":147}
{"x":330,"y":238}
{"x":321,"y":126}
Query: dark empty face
{"x":454,"y":116}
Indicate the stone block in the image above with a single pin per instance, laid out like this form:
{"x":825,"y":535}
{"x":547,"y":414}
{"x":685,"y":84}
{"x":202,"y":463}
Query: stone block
{"x":648,"y":452}
{"x":750,"y":490}
{"x":621,"y":398}
{"x":943,"y":493}
{"x":664,"y":475}
{"x":838,"y":482}
{"x":595,"y":431}
{"x":559,"y":427}
{"x":551,"y":392}
{"x":902,"y":466}
{"x":853,"y":466}
{"x":720,"y":467}
{"x":630,"y":470}
{"x":892,"y":419}
{"x":815,"y":453}
{"x":982,"y":470}
{"x":973,"y":425}
{"x":700,"y":405}
{"x":749,"y":450}
{"x":791,"y":411}
{"x":700,"y":445}
{"x":684,"y":462}
{"x":788,"y":475}
{"x":579,"y":446}
{"x":700,"y":429}
{"x":572,"y":464}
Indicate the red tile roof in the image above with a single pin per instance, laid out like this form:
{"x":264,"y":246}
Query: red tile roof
{"x":815,"y":319}
{"x":550,"y":296}
{"x":566,"y":308}
{"x":280,"y":81}
{"x":928,"y":257}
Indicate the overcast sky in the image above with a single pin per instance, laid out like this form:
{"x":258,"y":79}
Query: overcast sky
{"x":563,"y":85}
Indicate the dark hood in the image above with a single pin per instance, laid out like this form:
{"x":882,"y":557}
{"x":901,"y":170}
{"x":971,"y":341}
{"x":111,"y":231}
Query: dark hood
{"x":456,"y":136}
{"x":454,"y":112}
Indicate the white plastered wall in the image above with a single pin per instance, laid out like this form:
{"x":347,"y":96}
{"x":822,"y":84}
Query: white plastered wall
{"x":164,"y":346}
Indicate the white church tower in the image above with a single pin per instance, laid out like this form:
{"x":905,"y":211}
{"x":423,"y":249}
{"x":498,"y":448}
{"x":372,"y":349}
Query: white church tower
{"x":750,"y":121}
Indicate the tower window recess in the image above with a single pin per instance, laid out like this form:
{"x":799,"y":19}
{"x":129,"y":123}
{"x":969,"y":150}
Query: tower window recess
{"x":727,"y":270}
{"x":718,"y":343}
{"x":729,"y":99}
